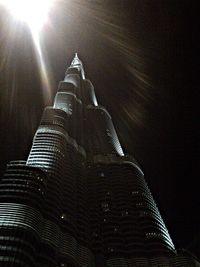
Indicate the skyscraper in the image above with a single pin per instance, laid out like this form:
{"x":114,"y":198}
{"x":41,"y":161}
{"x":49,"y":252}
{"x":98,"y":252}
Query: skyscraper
{"x":78,"y":200}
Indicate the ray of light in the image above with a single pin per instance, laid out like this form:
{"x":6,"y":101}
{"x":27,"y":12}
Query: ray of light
{"x":46,"y":84}
{"x":33,"y":12}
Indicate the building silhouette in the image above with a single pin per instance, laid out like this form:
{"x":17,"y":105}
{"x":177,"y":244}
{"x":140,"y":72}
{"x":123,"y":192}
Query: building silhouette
{"x":78,"y":200}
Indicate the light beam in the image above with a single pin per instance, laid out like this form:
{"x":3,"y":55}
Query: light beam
{"x":33,"y":12}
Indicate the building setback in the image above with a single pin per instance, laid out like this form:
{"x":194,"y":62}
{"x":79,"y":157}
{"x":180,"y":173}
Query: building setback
{"x":78,"y":200}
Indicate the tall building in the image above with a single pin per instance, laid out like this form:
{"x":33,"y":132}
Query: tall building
{"x":78,"y":200}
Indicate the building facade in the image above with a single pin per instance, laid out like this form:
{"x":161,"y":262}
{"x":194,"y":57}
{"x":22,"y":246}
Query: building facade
{"x":78,"y":200}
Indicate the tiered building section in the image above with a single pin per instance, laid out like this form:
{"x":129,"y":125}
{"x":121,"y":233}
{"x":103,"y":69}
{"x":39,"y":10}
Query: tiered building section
{"x":78,"y":201}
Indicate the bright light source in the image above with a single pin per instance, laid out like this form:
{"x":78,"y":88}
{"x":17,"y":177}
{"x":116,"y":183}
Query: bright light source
{"x":33,"y":12}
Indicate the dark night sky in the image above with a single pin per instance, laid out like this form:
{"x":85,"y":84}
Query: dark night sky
{"x":142,"y":59}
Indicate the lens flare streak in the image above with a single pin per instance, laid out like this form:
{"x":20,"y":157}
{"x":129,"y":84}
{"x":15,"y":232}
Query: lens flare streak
{"x":46,"y":81}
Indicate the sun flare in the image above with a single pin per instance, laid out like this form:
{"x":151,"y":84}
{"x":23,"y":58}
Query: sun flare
{"x":33,"y":12}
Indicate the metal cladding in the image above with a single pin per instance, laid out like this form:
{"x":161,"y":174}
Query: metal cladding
{"x":78,"y":201}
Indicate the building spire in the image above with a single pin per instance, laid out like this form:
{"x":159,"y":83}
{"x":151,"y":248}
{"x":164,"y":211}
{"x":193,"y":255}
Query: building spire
{"x":77,"y":63}
{"x":76,"y":60}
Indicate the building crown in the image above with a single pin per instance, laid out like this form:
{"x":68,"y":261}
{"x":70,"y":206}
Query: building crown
{"x":77,"y":63}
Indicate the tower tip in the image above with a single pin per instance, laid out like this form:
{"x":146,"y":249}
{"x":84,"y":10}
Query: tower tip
{"x":77,"y":62}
